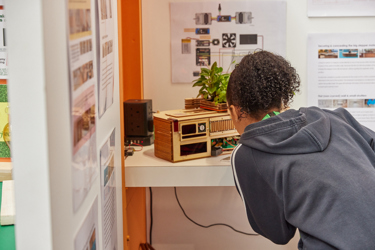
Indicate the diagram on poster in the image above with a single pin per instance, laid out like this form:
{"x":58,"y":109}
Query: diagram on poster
{"x":108,"y":189}
{"x":105,"y":36}
{"x":204,"y":33}
{"x":341,"y":73}
{"x":83,"y":99}
{"x":87,"y":236}
{"x":341,"y":8}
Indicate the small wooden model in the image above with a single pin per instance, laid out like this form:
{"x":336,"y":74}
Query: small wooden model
{"x":188,"y":134}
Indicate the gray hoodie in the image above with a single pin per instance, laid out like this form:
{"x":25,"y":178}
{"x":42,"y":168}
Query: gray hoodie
{"x":313,"y":170}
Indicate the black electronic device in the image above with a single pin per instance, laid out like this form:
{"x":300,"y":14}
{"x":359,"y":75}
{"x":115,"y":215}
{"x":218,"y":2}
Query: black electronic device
{"x":202,"y":31}
{"x":203,"y":57}
{"x":248,"y":39}
{"x":141,"y":140}
{"x":203,"y":43}
{"x":138,"y":119}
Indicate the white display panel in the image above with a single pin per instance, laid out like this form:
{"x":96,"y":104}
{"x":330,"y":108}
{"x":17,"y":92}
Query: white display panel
{"x":83,"y":98}
{"x":105,"y":36}
{"x":207,"y":32}
{"x":341,"y":73}
{"x":320,"y":8}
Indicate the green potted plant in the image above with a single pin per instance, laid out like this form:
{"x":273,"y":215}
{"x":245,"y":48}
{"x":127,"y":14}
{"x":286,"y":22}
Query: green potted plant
{"x":213,"y":85}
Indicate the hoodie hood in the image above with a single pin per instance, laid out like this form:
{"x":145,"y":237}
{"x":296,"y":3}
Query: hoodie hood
{"x":307,"y":130}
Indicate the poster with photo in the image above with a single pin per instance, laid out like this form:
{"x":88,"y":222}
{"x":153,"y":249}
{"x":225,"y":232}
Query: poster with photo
{"x":3,"y":48}
{"x":224,"y":32}
{"x":87,"y":236}
{"x":108,"y":190}
{"x":341,"y":73}
{"x":83,"y":98}
{"x":105,"y":55}
{"x":326,"y":8}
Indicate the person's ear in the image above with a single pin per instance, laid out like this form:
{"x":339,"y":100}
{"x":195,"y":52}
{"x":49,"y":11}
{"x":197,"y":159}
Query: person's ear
{"x":233,"y":111}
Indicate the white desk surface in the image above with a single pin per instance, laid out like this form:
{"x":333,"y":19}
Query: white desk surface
{"x":143,"y":169}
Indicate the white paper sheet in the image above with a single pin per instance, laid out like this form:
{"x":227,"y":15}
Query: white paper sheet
{"x":341,"y":73}
{"x":83,"y":98}
{"x":205,"y":32}
{"x":108,"y":189}
{"x":3,"y":47}
{"x":318,"y":8}
{"x":87,"y":236}
{"x":105,"y":36}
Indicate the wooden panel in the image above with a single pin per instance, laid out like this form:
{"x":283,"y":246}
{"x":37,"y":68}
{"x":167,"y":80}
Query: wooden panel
{"x":5,"y":171}
{"x":131,"y":35}
{"x":8,"y":209}
{"x":136,"y":210}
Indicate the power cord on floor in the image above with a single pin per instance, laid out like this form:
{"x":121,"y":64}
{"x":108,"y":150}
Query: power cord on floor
{"x":151,"y":217}
{"x":216,"y":224}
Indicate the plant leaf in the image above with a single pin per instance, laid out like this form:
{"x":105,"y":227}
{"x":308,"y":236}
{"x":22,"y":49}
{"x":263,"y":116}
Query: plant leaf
{"x":198,"y":83}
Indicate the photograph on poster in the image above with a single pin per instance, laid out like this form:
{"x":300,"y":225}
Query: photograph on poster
{"x":370,"y":103}
{"x":79,"y":20}
{"x":203,"y":33}
{"x":106,"y":9}
{"x":366,"y":53}
{"x":87,"y":236}
{"x":328,"y":53}
{"x":83,"y":124}
{"x":85,"y":46}
{"x":107,"y":48}
{"x":348,"y":53}
{"x":83,"y":74}
{"x":108,"y":187}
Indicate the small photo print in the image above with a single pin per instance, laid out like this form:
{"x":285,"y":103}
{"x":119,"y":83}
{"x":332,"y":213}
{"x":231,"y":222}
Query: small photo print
{"x":83,"y":74}
{"x":348,"y":53}
{"x":106,"y":9}
{"x":367,"y":53}
{"x":355,"y":103}
{"x":85,"y":46}
{"x":370,"y":103}
{"x":325,"y":104}
{"x":79,"y":21}
{"x":340,"y":103}
{"x":107,"y":48}
{"x":93,"y":241}
{"x":83,"y":124}
{"x":328,"y":53}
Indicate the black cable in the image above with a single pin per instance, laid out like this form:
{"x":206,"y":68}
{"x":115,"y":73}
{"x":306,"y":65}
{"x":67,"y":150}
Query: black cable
{"x":216,"y":224}
{"x":151,"y":219}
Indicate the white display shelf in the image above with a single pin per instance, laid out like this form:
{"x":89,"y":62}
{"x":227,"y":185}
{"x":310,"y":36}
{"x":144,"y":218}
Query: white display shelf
{"x":143,"y":169}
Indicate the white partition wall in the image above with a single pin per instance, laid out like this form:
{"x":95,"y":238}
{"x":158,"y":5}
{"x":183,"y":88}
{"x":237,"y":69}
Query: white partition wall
{"x":41,"y":128}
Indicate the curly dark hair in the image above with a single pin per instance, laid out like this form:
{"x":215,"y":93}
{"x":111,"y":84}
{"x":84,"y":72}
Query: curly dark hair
{"x":260,"y":82}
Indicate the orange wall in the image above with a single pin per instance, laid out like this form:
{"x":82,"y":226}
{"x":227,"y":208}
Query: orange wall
{"x":131,"y":87}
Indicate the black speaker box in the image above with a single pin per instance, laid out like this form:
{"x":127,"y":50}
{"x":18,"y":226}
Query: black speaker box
{"x":138,"y":117}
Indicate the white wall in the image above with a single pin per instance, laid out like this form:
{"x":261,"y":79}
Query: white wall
{"x":208,"y":205}
{"x":41,"y":127}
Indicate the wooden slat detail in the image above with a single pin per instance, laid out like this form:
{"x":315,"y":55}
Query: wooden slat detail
{"x":163,"y":139}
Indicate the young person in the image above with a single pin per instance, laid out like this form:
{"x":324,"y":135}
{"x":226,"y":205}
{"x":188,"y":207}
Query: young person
{"x":310,"y":169}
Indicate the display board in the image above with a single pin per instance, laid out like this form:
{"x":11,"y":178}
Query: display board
{"x":342,"y":73}
{"x":320,"y":8}
{"x":83,"y":98}
{"x":206,"y":32}
{"x":105,"y":36}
